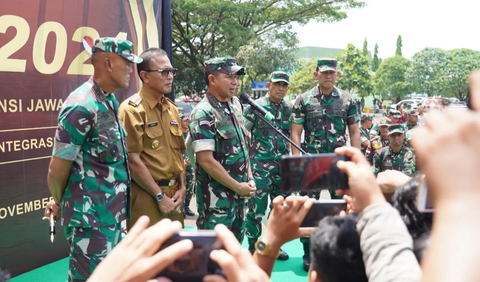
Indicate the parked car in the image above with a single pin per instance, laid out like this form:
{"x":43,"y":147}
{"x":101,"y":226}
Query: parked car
{"x":185,"y":107}
{"x":412,"y":102}
{"x":433,"y":103}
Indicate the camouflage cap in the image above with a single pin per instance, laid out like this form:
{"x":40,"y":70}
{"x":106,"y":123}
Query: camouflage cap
{"x":396,"y":128}
{"x":278,"y":76}
{"x":413,"y":113}
{"x":227,"y":65}
{"x":366,"y":117}
{"x":327,"y":64}
{"x":384,"y":122}
{"x":183,"y":116}
{"x":123,"y":48}
{"x":405,"y":104}
{"x":389,"y":107}
{"x":395,"y":114}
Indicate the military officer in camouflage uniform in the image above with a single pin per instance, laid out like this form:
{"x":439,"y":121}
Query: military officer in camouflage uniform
{"x":396,"y":117}
{"x":412,"y":119}
{"x":266,"y":149}
{"x":366,"y":124}
{"x":396,"y":156}
{"x":155,"y":143}
{"x":324,"y":112}
{"x":88,"y":173}
{"x":217,"y":131}
{"x":189,"y":172}
{"x":379,"y":141}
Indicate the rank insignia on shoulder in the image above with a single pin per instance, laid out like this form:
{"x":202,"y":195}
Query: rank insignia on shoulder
{"x":174,"y":122}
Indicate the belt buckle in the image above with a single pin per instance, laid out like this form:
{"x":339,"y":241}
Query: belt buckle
{"x":172,"y":182}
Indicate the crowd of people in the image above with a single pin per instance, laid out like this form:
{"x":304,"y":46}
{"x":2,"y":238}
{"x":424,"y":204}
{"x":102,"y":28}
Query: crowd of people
{"x":142,"y":160}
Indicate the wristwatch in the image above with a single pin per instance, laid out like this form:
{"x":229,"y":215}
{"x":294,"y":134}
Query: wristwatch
{"x":264,"y":249}
{"x":159,"y":196}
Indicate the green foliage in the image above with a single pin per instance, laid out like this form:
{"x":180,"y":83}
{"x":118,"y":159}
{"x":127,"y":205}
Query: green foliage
{"x":440,"y":72}
{"x":260,"y":58}
{"x":355,"y":72}
{"x":427,"y":67}
{"x":303,"y":80}
{"x":461,"y":63}
{"x":398,"y":52}
{"x":365,"y":48}
{"x":390,"y":78}
{"x":203,"y":29}
{"x":376,"y":60}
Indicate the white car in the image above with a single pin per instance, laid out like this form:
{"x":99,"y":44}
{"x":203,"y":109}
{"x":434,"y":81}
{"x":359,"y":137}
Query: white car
{"x":412,"y":102}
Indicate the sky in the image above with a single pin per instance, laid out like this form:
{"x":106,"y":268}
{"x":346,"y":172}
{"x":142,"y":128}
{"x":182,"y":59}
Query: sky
{"x":421,"y":23}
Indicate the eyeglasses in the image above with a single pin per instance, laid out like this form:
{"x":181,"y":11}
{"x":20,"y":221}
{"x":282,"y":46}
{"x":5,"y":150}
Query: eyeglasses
{"x":165,"y":72}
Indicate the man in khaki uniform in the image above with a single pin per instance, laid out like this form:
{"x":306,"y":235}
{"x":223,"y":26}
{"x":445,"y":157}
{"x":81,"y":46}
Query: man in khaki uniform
{"x":155,"y":143}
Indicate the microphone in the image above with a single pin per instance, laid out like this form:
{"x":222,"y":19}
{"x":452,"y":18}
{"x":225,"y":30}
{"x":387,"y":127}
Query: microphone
{"x":247,"y":100}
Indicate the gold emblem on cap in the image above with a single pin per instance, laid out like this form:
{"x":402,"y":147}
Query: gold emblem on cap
{"x":155,"y":144}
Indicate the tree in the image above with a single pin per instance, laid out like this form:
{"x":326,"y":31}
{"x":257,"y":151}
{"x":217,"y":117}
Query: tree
{"x":399,"y":46}
{"x":303,"y":80}
{"x":207,"y":29}
{"x":390,"y":78}
{"x":376,"y":60}
{"x":260,"y":58}
{"x":355,"y":72}
{"x":461,"y":62}
{"x":426,"y":69}
{"x":365,"y":48}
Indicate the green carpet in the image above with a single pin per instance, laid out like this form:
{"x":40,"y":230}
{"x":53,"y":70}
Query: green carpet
{"x":284,"y":271}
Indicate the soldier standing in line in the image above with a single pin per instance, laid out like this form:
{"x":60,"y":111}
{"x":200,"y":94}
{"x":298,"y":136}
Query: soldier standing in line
{"x":266,"y":150}
{"x":155,"y":143}
{"x":396,"y":156}
{"x":412,"y":119}
{"x":88,"y":173}
{"x":366,"y":124}
{"x":324,"y":112}
{"x":189,"y":172}
{"x":379,"y":141}
{"x":217,"y":131}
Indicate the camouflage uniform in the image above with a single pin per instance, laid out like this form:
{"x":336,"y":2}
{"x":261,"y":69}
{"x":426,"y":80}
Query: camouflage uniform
{"x":365,"y":133}
{"x":377,"y":142}
{"x":266,"y":150}
{"x":219,"y":127}
{"x":189,"y":177}
{"x":97,"y":195}
{"x":385,"y":159}
{"x":325,"y":119}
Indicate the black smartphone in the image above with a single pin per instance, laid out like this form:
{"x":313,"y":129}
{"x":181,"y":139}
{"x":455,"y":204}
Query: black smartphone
{"x":321,"y":209}
{"x":197,"y":263}
{"x":311,"y":172}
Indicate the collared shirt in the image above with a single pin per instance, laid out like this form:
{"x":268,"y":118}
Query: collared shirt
{"x":90,"y":134}
{"x":385,"y":159}
{"x":219,"y":127}
{"x":154,"y":132}
{"x":266,"y":144}
{"x":325,"y":119}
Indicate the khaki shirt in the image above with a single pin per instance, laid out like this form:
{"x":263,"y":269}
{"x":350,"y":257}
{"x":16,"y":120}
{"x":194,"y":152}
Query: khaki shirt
{"x":154,"y":131}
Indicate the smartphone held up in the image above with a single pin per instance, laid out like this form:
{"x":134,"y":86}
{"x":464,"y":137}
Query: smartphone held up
{"x":312,"y":172}
{"x":197,"y":263}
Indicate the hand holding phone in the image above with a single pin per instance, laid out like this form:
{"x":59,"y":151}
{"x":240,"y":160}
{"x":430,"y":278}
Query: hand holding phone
{"x":196,"y":264}
{"x":321,"y":209}
{"x":312,"y":172}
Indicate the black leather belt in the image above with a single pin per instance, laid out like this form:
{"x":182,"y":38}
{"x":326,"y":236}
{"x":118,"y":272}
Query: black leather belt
{"x":167,"y":182}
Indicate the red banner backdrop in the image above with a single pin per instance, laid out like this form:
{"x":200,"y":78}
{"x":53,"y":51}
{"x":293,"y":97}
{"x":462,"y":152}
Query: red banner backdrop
{"x":42,"y":59}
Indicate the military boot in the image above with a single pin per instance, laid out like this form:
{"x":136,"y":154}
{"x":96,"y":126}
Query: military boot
{"x":186,"y":208}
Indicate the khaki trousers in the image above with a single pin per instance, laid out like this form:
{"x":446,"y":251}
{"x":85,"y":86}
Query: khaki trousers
{"x":145,"y":204}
